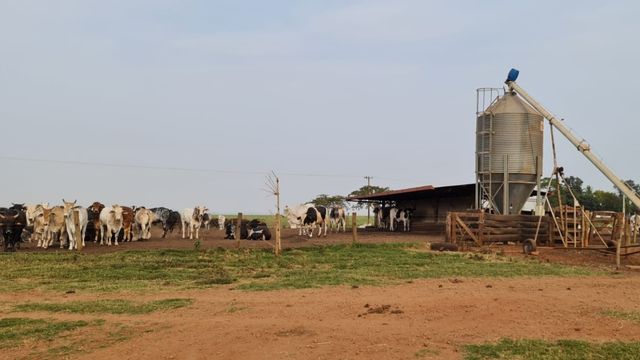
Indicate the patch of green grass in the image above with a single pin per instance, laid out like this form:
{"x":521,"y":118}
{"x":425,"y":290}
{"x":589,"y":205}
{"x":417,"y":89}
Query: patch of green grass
{"x":545,"y":350}
{"x":16,"y":330}
{"x":624,"y":315}
{"x":105,"y":306}
{"x":257,"y":269}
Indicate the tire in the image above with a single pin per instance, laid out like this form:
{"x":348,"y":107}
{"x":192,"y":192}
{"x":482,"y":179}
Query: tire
{"x":528,"y":246}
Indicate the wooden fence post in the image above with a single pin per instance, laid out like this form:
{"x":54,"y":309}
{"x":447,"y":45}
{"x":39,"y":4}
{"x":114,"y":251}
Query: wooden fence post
{"x":238,"y":230}
{"x":77,"y":230}
{"x":278,"y":241}
{"x":354,"y":227}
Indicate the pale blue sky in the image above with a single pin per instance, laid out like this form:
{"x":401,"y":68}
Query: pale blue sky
{"x":350,"y":88}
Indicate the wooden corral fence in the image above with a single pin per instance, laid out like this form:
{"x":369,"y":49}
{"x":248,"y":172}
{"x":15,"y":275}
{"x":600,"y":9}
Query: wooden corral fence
{"x":567,"y":227}
{"x":479,"y":228}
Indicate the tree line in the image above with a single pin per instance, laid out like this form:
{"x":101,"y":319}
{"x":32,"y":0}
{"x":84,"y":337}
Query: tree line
{"x":590,"y":199}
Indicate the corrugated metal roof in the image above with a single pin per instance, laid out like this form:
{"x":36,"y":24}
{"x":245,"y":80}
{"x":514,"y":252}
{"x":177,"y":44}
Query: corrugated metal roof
{"x":420,"y":191}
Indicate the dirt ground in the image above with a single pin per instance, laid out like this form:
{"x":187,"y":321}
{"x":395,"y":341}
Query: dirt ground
{"x":417,"y":319}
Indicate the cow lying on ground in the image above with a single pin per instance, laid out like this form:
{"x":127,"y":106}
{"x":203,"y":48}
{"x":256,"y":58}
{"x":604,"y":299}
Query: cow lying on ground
{"x":230,"y":229}
{"x":252,"y":230}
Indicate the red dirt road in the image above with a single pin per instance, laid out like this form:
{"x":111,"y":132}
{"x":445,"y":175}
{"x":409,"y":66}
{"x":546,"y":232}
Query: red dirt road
{"x":419,"y":319}
{"x":333,"y":323}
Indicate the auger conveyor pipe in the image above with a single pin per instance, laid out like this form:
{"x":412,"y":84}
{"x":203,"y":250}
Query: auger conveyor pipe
{"x":580,"y":144}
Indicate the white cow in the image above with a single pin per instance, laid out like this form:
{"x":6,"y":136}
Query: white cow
{"x":221,"y":220}
{"x":72,"y":225}
{"x":192,"y":218}
{"x":111,"y":219}
{"x":40,"y":223}
{"x":144,"y":218}
{"x":31,"y":216}
{"x":295,"y":216}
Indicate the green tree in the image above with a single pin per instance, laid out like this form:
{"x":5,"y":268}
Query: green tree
{"x":329,"y":201}
{"x":367,"y":190}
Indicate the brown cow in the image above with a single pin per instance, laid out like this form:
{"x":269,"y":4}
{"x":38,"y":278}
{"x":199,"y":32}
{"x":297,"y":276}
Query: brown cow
{"x":128,"y":219}
{"x":93,"y":212}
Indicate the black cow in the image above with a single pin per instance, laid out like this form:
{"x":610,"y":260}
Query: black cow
{"x":162,"y":216}
{"x":171,"y":222}
{"x":258,"y":231}
{"x":230,"y":228}
{"x":12,"y":223}
{"x":206,"y":220}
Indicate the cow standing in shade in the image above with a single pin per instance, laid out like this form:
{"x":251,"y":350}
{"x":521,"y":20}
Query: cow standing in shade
{"x":192,"y":218}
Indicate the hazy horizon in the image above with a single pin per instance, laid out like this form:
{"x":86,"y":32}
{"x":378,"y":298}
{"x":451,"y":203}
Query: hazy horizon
{"x":197,"y":101}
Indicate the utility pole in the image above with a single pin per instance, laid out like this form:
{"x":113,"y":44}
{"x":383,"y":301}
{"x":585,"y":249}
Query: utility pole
{"x":368,"y":204}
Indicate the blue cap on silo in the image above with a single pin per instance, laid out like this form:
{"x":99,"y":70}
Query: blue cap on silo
{"x":513,"y":75}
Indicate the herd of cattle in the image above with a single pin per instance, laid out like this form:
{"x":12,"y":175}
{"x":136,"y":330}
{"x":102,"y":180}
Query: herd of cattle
{"x":70,"y":223}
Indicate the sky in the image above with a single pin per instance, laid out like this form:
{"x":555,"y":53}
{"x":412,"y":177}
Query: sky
{"x":196,"y":101}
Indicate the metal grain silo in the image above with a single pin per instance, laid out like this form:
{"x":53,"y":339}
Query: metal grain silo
{"x":509,"y":135}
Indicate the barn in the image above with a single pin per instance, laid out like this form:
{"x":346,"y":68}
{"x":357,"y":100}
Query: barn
{"x":431,"y":203}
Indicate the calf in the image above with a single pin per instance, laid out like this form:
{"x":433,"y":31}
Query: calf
{"x":316,"y":216}
{"x":111,"y":221}
{"x":40,"y":223}
{"x":221,"y":220}
{"x":399,"y":215}
{"x":72,"y":225}
{"x":143,"y":219}
{"x":192,"y":218}
{"x":337,"y":217}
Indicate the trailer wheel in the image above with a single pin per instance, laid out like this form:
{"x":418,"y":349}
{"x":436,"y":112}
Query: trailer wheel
{"x":528,"y":246}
